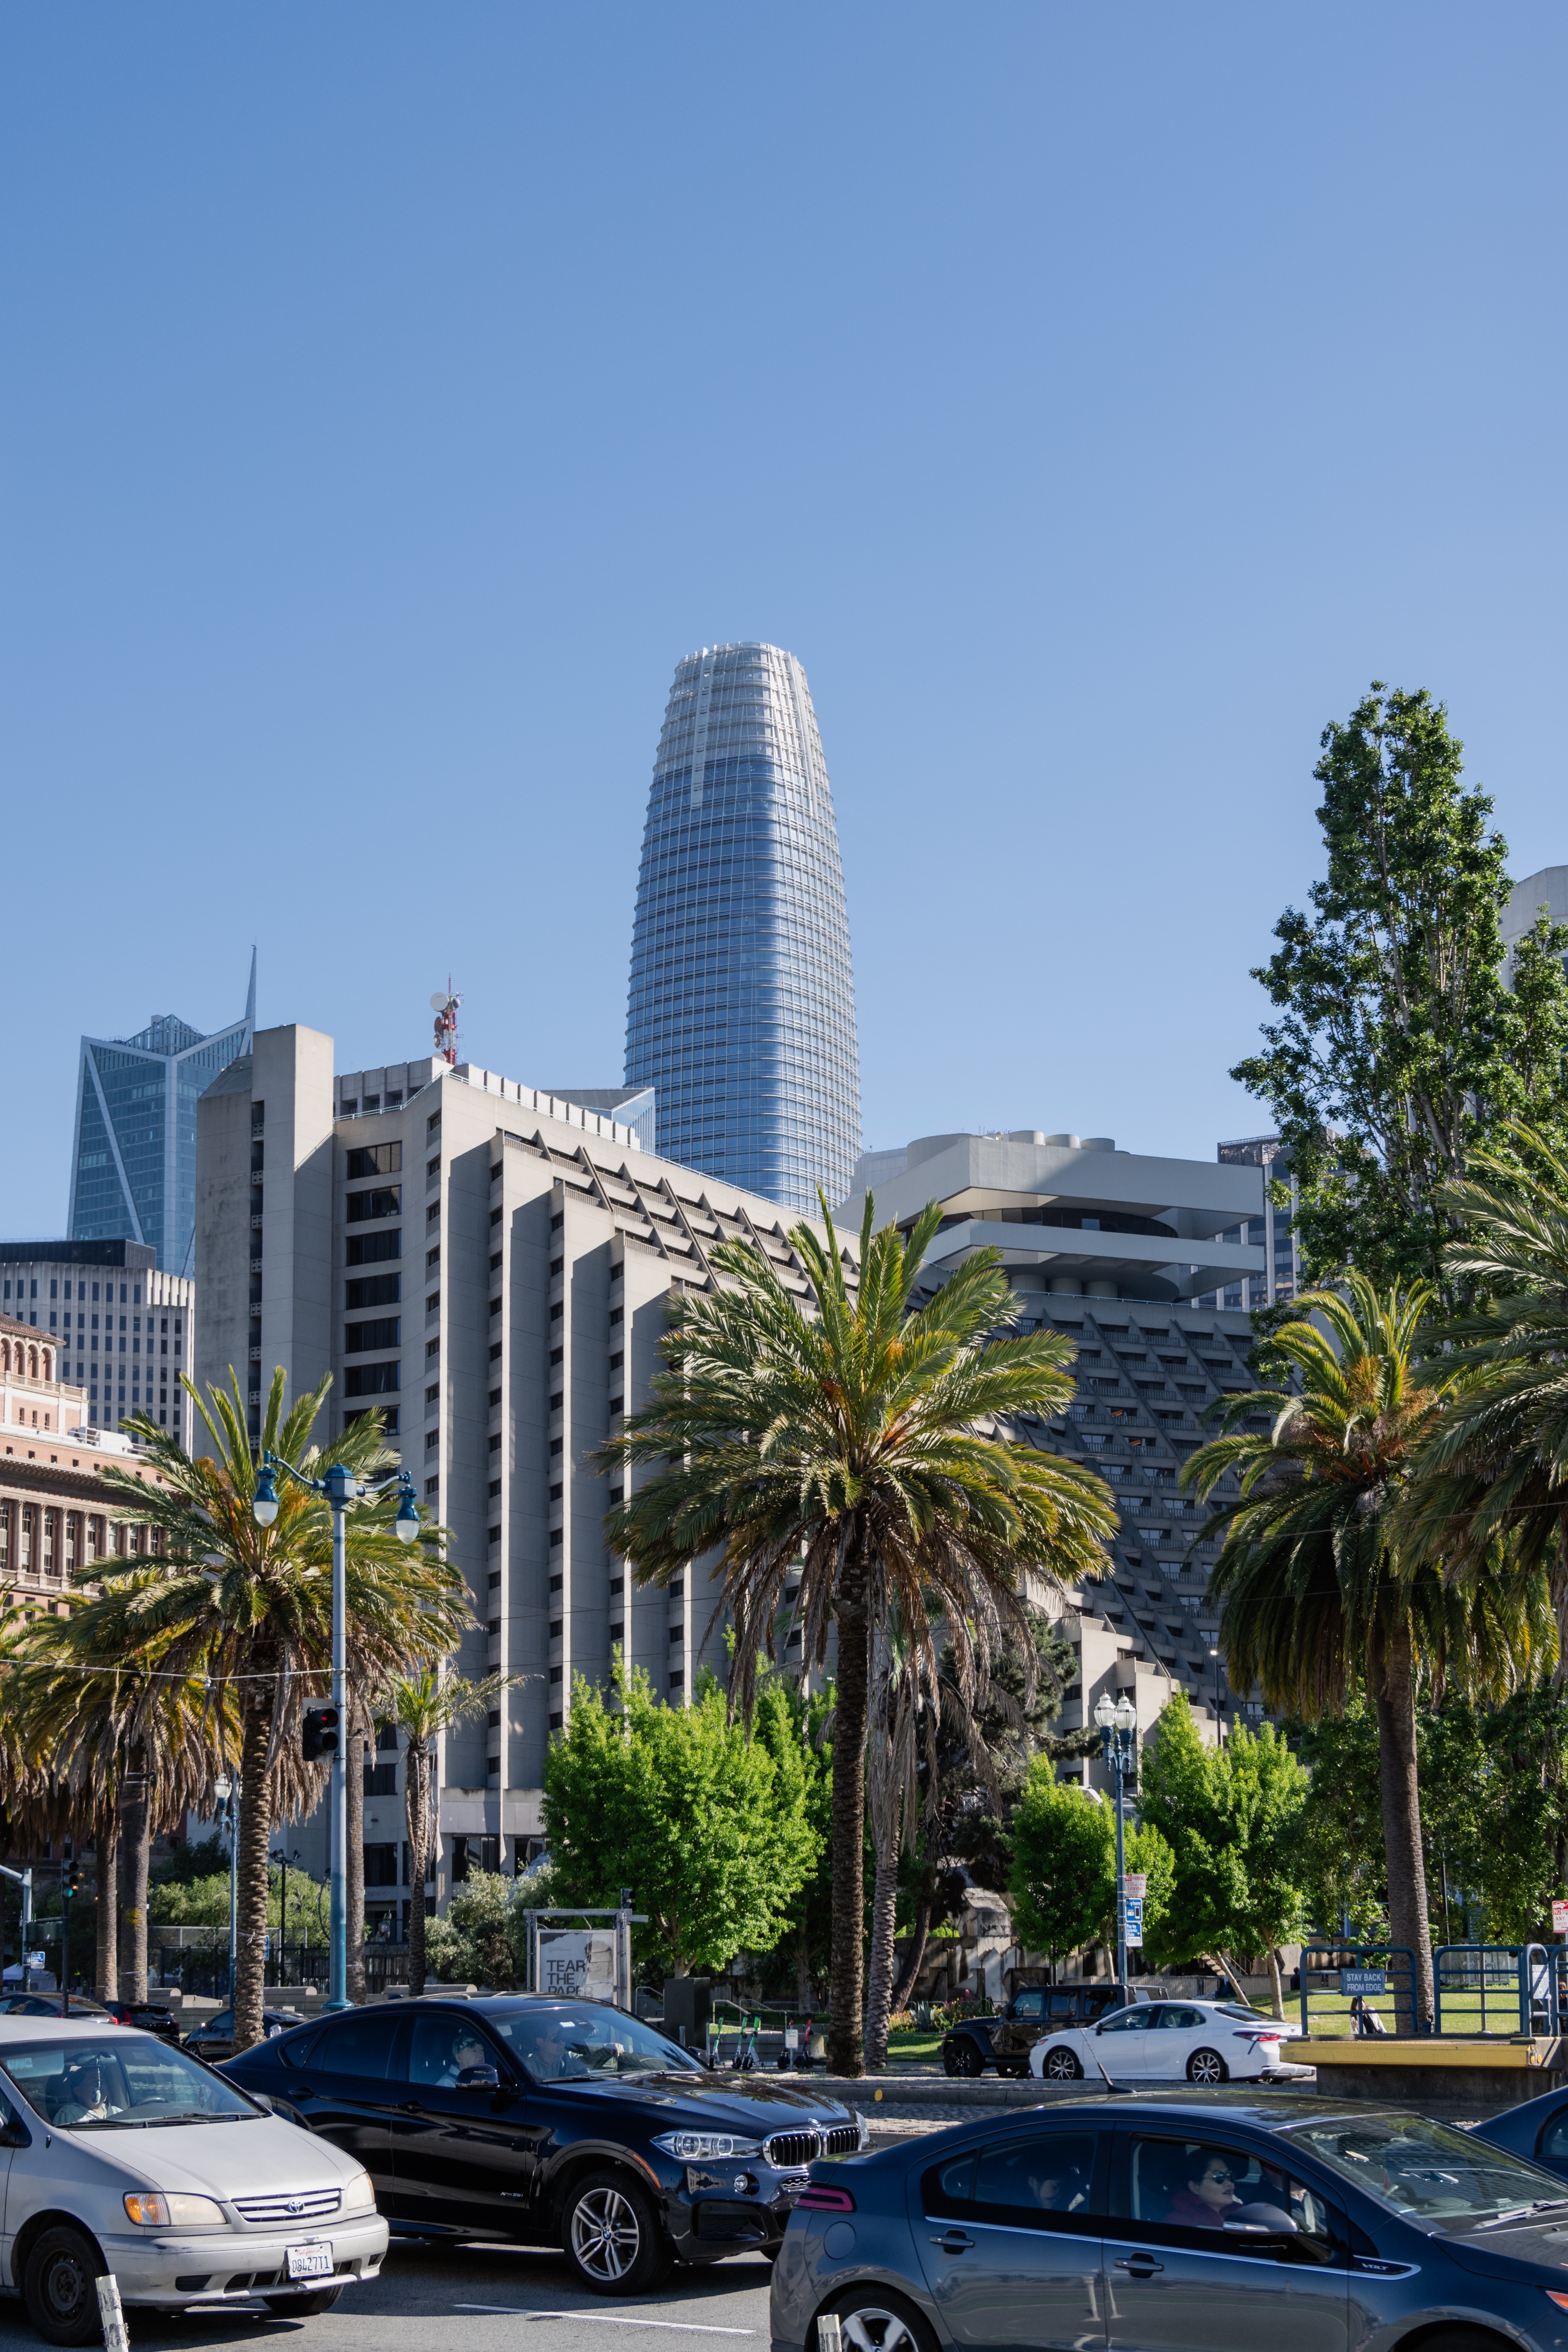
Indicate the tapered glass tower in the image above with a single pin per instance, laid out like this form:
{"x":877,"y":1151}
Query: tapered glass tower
{"x":742,"y":1009}
{"x":133,"y":1161}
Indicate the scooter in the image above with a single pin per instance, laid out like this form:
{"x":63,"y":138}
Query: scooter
{"x":745,"y":2057}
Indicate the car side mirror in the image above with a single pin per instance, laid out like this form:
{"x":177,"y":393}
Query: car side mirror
{"x":1264,"y":2221}
{"x":477,"y":2078}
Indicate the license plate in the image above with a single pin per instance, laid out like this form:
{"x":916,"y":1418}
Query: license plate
{"x":310,"y":2262}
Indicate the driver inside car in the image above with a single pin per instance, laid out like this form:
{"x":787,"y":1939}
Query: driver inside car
{"x":86,"y":2096}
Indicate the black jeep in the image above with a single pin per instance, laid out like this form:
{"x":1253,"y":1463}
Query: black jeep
{"x":1005,"y":2041}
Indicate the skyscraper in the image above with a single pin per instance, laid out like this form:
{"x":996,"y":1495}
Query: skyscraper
{"x":742,"y":1008}
{"x":134,"y":1164}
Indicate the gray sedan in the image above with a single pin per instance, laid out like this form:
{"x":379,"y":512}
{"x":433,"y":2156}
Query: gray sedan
{"x":1180,"y":2222}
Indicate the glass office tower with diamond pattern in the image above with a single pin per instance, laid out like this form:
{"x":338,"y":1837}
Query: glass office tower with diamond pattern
{"x":741,"y":1006}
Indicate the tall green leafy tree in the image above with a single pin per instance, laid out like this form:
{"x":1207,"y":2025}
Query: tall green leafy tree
{"x":1063,"y":1880}
{"x":1232,"y":1819}
{"x":1398,"y":1045}
{"x":706,"y":1822}
{"x":847,"y":1437}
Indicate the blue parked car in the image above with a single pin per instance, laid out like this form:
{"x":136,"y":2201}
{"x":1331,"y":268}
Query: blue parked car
{"x":1181,"y":2222}
{"x":1538,"y":2129}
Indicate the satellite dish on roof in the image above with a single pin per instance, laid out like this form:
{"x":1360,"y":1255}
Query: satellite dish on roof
{"x":440,"y":1000}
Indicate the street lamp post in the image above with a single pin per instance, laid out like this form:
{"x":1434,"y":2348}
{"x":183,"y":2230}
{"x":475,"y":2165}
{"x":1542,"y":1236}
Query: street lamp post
{"x":341,"y":1488}
{"x":227,"y":1791}
{"x":1219,"y":1707}
{"x":283,"y":1859}
{"x":1118,"y":1724}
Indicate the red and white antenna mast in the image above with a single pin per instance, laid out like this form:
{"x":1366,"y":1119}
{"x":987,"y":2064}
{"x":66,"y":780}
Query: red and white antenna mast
{"x":444,"y":1005}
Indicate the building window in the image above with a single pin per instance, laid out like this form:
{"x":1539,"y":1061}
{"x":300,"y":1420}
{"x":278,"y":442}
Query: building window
{"x":368,"y":1249}
{"x":372,"y":1380}
{"x":387,"y":1201}
{"x":359,"y":1338}
{"x":374,"y":1290}
{"x":375,"y":1160}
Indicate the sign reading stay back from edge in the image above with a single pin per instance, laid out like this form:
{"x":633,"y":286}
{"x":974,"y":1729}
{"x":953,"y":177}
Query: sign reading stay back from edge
{"x":1362,"y":1981}
{"x":576,"y":1964}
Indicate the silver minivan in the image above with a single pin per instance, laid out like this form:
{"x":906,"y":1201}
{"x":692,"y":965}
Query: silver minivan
{"x":120,"y":2154}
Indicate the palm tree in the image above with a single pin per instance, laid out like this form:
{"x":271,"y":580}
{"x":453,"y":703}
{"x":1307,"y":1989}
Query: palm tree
{"x":1491,"y":1472}
{"x":424,"y":1704}
{"x":1313,"y":1592}
{"x":251,"y":1607}
{"x":124,"y":1745}
{"x":844,"y":1438}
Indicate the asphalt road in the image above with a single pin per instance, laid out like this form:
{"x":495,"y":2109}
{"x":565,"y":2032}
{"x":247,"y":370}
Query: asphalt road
{"x":473,"y":2299}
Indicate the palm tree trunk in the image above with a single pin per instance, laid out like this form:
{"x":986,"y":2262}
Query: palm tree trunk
{"x":415,"y":1808}
{"x":136,"y":1830}
{"x":909,"y":1975}
{"x":106,"y":1845}
{"x":255,"y":1841}
{"x":878,"y":1995}
{"x":802,"y":1996}
{"x":1402,"y":1845}
{"x":847,"y":1973}
{"x":353,"y":1865}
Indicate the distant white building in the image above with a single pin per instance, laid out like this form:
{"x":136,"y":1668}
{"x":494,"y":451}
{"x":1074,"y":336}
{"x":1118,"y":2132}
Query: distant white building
{"x":1115,"y":1250}
{"x":123,"y":1327}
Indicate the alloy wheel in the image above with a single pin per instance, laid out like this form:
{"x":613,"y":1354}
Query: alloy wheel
{"x":606,"y":2235}
{"x":873,"y":2329}
{"x":1206,"y":2066}
{"x":1062,"y":2066}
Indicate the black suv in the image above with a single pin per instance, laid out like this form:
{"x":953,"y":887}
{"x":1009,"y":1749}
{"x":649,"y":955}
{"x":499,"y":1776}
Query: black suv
{"x":1005,"y":2041}
{"x":553,"y":2123}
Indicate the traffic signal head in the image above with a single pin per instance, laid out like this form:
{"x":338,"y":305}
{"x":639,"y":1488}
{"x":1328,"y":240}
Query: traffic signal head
{"x":70,"y":1881}
{"x":319,"y":1734}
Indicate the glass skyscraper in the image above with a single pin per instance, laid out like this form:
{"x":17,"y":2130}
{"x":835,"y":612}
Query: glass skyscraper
{"x":133,"y":1168}
{"x":741,"y":1006}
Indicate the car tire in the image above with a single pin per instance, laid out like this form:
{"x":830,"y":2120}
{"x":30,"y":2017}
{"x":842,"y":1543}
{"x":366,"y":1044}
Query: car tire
{"x":876,"y":2319}
{"x":301,"y":2307}
{"x":1207,"y":2066}
{"x":948,"y":2062}
{"x":59,"y":2288}
{"x":971,"y":2060}
{"x":611,"y":2236}
{"x":1060,"y":2066}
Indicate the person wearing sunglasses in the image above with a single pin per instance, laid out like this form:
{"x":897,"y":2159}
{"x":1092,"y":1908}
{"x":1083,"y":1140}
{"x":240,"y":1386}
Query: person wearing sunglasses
{"x":1209,"y":2197}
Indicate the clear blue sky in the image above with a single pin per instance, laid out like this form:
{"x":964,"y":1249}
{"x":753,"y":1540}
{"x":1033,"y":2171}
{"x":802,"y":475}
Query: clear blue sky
{"x":1095,"y":399}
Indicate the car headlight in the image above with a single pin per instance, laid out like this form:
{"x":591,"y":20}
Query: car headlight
{"x":706,"y":2147}
{"x":863,"y":2126}
{"x":151,"y":2209}
{"x":359,"y":2195}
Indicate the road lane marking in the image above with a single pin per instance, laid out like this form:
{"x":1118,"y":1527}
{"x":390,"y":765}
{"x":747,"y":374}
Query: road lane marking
{"x":607,"y":2319}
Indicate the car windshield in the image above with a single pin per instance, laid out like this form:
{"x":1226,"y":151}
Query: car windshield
{"x":564,"y":2045}
{"x":1429,"y":2173}
{"x":119,"y":2083}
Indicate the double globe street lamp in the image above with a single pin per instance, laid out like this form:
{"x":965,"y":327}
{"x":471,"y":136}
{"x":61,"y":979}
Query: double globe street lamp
{"x":341,"y":1488}
{"x":1117,"y":1721}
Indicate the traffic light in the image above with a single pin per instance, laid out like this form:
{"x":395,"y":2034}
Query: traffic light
{"x":319,"y":1734}
{"x":70,"y":1881}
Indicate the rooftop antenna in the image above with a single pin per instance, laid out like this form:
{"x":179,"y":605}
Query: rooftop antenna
{"x":444,"y":1005}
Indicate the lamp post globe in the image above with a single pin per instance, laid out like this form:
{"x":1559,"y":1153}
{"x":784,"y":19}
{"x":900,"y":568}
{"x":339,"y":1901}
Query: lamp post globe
{"x":1104,"y":1711}
{"x":264,"y":1503}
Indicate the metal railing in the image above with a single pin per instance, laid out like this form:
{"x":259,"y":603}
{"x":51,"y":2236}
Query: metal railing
{"x":1394,"y":1964}
{"x":1500,"y":1989}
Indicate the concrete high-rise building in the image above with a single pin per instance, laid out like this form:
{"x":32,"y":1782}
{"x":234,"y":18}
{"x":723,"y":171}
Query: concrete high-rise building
{"x":489,"y":1265}
{"x":1548,"y":890}
{"x":741,"y":1007}
{"x":133,"y":1159}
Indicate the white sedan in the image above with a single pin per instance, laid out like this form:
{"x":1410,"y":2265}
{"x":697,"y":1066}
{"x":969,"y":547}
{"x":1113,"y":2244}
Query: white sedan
{"x":1200,"y":2040}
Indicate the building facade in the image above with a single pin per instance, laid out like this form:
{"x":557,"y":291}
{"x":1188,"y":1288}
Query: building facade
{"x":55,"y":1520}
{"x":1113,"y":1250}
{"x":1273,"y":1230}
{"x":133,"y":1157}
{"x":489,"y":1266}
{"x":740,"y":1013}
{"x":123,"y":1328}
